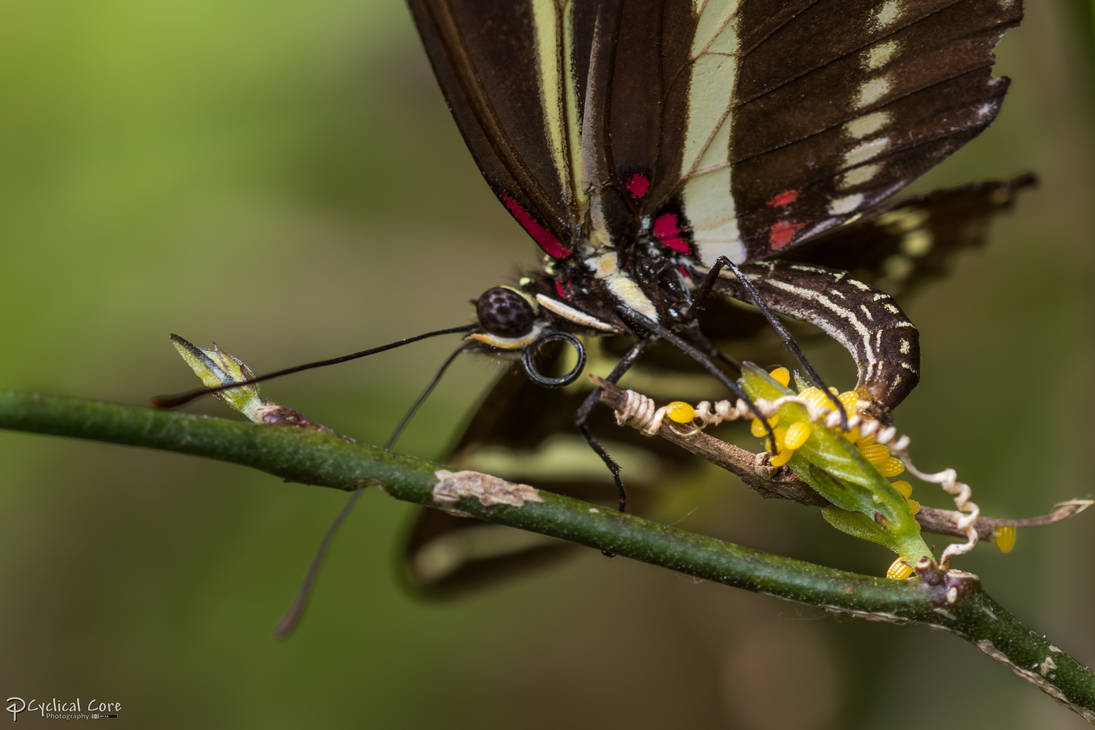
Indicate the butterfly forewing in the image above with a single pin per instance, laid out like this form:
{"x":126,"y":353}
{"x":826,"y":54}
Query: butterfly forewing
{"x":719,"y":127}
{"x":506,"y":73}
{"x":839,"y":104}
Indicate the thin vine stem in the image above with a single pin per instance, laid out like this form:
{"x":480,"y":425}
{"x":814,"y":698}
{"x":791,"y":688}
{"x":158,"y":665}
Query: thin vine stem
{"x":313,"y":455}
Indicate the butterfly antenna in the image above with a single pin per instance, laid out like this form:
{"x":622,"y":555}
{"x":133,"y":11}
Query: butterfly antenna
{"x":178,"y":399}
{"x":422,"y":397}
{"x":295,"y":612}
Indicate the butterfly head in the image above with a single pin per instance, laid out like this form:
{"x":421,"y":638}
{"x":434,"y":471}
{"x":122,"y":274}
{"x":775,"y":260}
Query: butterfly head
{"x":518,"y":322}
{"x":509,"y":319}
{"x":506,"y":312}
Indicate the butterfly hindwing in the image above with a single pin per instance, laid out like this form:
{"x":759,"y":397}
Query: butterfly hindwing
{"x":899,"y":248}
{"x":525,"y":433}
{"x":910,"y":241}
{"x":898,"y":243}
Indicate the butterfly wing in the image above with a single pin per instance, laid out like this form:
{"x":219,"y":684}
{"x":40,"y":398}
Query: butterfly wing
{"x":525,"y":433}
{"x":901,"y":247}
{"x":909,"y":242}
{"x":836,"y":105}
{"x":734,"y":128}
{"x":506,"y":72}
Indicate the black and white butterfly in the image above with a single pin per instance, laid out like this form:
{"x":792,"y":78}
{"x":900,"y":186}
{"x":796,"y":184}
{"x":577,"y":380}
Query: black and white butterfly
{"x":640,"y":143}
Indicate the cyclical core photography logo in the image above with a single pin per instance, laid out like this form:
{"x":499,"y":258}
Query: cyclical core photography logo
{"x":57,"y":709}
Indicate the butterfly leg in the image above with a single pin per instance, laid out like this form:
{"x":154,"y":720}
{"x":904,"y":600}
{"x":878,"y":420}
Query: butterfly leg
{"x":867,"y":322}
{"x":641,"y":322}
{"x":714,"y":352}
{"x":753,"y":296}
{"x":582,"y":415}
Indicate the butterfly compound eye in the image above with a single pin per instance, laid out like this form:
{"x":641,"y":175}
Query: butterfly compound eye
{"x":504,"y":312}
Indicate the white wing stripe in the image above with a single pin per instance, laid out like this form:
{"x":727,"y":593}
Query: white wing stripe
{"x":554,"y":54}
{"x":708,"y":200}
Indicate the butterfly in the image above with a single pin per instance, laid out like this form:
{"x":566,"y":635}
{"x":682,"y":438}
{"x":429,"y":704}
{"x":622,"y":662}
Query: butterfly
{"x":673,"y":158}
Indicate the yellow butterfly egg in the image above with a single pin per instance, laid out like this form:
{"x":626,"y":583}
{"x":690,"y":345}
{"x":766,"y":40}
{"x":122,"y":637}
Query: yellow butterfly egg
{"x":780,"y":433}
{"x":875,"y":453}
{"x":914,"y":506}
{"x":815,"y":397}
{"x":849,"y":399}
{"x":680,"y":412}
{"x":781,"y":458}
{"x":796,"y":435}
{"x":903,"y":487}
{"x":781,"y":376}
{"x":1004,"y":537}
{"x":891,"y":467}
{"x":899,"y":570}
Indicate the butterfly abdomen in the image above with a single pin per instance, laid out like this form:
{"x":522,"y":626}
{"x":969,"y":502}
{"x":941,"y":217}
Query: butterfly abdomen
{"x":867,"y":322}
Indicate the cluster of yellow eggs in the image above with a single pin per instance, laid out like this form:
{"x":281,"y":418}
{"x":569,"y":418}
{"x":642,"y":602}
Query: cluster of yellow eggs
{"x":792,"y":436}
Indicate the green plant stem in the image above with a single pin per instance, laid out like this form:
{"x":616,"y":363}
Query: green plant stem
{"x":316,"y":456}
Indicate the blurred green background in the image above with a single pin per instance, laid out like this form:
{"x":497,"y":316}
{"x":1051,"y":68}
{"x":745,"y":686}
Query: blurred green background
{"x":285,"y":180}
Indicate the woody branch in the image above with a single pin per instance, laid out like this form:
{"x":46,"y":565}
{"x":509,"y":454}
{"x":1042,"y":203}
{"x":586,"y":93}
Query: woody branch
{"x":313,"y":455}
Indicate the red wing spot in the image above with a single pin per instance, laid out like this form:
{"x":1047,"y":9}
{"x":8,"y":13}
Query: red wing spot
{"x":781,"y":234}
{"x":545,"y":238}
{"x":785,"y":198}
{"x":637,"y":185}
{"x":668,"y":232}
{"x":560,"y":290}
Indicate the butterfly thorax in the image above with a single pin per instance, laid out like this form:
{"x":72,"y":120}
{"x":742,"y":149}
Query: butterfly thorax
{"x":592,"y":291}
